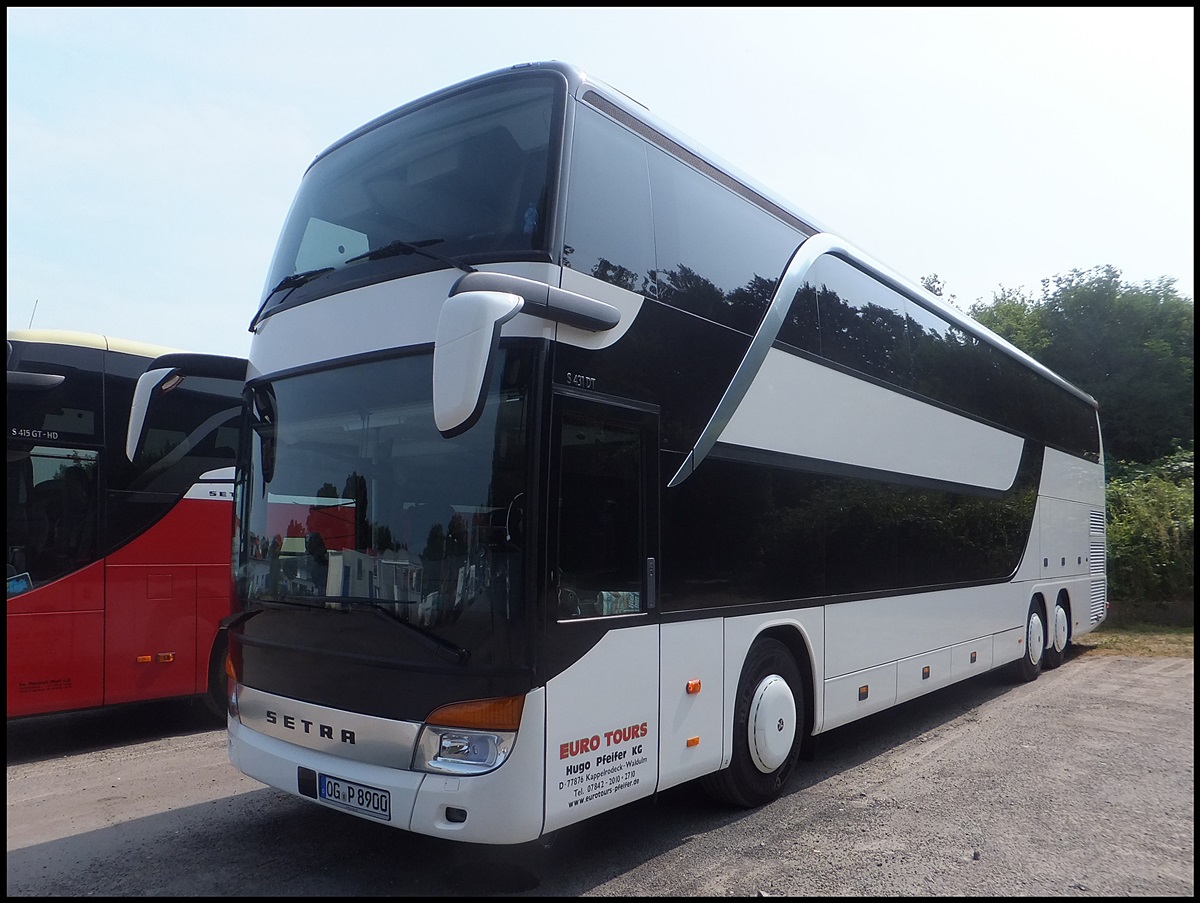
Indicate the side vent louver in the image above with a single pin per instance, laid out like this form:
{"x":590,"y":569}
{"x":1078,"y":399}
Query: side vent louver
{"x":1097,"y":563}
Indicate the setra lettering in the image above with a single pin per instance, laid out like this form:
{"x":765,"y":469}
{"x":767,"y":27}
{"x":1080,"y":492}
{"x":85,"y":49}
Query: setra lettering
{"x":324,"y":731}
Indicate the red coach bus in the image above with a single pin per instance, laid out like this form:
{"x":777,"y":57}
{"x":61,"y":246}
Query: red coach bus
{"x":118,"y":571}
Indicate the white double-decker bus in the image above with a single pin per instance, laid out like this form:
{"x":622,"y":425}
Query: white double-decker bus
{"x":576,"y":466}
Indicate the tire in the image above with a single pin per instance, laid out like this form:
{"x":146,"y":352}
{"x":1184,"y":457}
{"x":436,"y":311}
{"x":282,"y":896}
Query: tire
{"x":215,"y":699}
{"x":1060,"y":636}
{"x":1029,"y":666}
{"x":768,"y":724}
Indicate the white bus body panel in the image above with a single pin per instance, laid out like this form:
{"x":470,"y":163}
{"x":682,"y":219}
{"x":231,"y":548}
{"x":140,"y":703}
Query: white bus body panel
{"x":913,"y":679}
{"x":903,"y":626}
{"x":396,"y":314}
{"x":971,"y":659}
{"x":213,"y":484}
{"x":843,"y":419}
{"x":1064,"y":536}
{"x":602,"y":742}
{"x":857,"y":695}
{"x":692,"y":725}
{"x":405,"y":312}
{"x":1067,"y":477}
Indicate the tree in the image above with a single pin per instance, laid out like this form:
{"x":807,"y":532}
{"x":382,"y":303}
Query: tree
{"x":1015,"y":316}
{"x":935,"y":285}
{"x":1129,"y":346}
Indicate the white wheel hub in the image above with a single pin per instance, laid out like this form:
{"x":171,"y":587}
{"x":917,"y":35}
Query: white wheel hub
{"x":772,"y":723}
{"x":1061,"y":628}
{"x":1035,"y":638}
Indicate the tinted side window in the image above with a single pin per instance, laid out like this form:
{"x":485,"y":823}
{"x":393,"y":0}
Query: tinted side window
{"x":68,"y":413}
{"x":600,"y":506}
{"x":1070,"y":423}
{"x":862,"y":321}
{"x":718,"y":255}
{"x":52,"y":511}
{"x":754,"y":532}
{"x":608,"y":230}
{"x":801,"y":328}
{"x":1009,"y":394}
{"x":941,"y":355}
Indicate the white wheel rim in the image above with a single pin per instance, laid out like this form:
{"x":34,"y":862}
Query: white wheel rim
{"x":1035,"y":638}
{"x":772,"y":723}
{"x":1061,"y":628}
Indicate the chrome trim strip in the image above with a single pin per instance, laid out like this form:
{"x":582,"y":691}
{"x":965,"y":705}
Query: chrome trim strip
{"x":363,"y":738}
{"x":793,"y":277}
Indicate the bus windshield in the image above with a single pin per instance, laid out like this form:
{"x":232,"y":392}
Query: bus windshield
{"x":352,"y":497}
{"x":464,"y":178}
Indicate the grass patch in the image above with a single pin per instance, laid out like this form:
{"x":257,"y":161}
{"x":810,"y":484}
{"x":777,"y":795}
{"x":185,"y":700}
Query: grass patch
{"x":1140,"y":639}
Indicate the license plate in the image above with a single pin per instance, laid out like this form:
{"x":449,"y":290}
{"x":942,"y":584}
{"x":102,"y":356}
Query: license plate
{"x":357,"y":797}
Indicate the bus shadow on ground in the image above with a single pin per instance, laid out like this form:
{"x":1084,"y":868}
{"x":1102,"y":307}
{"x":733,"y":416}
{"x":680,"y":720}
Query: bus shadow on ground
{"x":41,"y":737}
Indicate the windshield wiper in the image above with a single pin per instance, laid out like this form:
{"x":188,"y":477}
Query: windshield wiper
{"x":399,"y":246}
{"x":443,"y":647}
{"x":298,"y":279}
{"x":289,"y":282}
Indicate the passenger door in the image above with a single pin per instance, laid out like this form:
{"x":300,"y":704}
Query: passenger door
{"x":601,"y":615}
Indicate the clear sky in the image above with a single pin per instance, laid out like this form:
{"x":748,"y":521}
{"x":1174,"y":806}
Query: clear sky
{"x":153,"y":153}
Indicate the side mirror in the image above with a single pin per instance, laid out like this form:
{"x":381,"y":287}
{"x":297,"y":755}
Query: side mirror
{"x":468,"y":332}
{"x":146,"y":384}
{"x":164,"y":374}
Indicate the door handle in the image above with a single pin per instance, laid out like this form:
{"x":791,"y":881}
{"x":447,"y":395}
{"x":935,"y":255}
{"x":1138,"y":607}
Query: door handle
{"x":651,"y":574}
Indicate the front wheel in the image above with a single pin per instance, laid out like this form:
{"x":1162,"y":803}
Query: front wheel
{"x":1029,"y":666}
{"x":767,"y":728}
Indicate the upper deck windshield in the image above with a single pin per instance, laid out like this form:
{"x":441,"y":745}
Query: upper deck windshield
{"x":354,"y":500}
{"x":467,"y":176}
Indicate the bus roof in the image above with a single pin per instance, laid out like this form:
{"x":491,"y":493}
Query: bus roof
{"x":89,"y":340}
{"x":633,"y":113}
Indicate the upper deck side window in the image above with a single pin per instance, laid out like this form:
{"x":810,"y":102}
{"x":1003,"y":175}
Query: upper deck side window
{"x":641,"y":218}
{"x":609,"y":223}
{"x":852,"y":319}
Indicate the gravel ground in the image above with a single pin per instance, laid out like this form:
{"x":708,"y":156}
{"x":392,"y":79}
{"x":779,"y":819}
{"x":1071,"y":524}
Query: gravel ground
{"x":1079,"y":784}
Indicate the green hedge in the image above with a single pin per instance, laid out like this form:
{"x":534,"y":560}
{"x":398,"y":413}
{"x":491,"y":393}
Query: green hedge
{"x":1151,"y":541}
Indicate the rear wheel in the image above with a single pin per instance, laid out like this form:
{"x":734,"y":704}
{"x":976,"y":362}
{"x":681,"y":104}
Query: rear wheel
{"x":1060,"y":636}
{"x":767,"y":728}
{"x":1029,"y":665}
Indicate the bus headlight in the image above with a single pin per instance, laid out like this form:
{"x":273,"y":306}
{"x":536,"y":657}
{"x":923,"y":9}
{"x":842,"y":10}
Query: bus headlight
{"x":466,"y":738}
{"x":447,"y":750}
